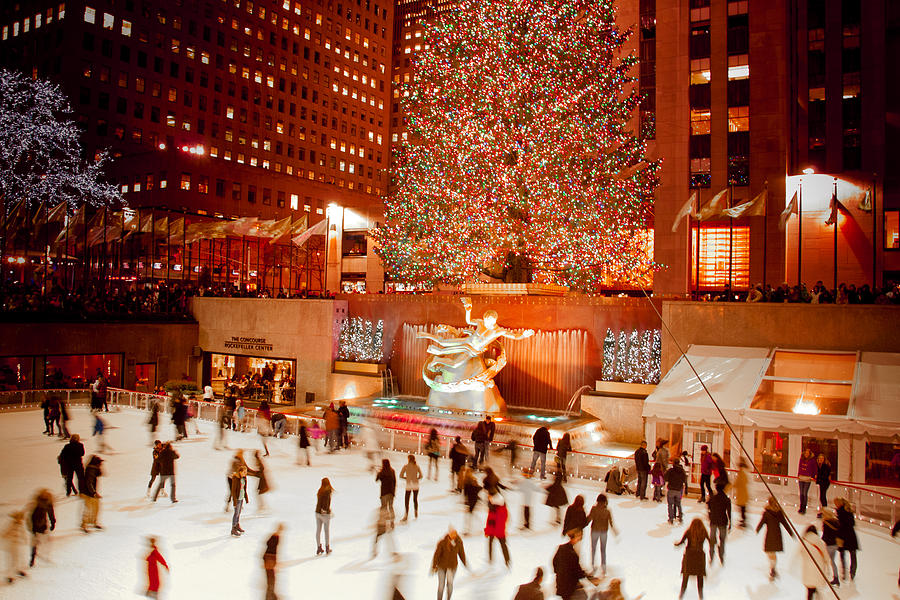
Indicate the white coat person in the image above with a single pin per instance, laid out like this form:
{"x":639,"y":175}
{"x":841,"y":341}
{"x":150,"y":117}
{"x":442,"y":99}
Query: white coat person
{"x":14,"y":543}
{"x":815,"y":562}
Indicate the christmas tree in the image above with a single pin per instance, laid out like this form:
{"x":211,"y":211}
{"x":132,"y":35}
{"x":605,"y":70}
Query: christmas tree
{"x":521,"y":161}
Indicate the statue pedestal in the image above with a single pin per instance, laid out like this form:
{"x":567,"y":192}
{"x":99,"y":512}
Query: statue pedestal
{"x":487,"y":400}
{"x":515,"y":289}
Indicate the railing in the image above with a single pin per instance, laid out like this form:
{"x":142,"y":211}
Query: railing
{"x":872,"y":506}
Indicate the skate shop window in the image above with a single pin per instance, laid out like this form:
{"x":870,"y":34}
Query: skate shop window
{"x":80,"y":370}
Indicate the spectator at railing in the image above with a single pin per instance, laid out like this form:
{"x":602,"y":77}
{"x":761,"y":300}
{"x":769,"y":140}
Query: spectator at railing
{"x":889,"y":293}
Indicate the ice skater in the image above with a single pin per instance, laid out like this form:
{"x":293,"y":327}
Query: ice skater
{"x":99,"y":429}
{"x":532,"y":590}
{"x":457,"y":455}
{"x":14,"y":545}
{"x":568,"y":569}
{"x":323,"y":516}
{"x":495,"y":527}
{"x":471,"y":490}
{"x":263,"y":486}
{"x":388,"y":480}
{"x":774,"y":521}
{"x":527,"y":489}
{"x":167,"y":458}
{"x":719,"y":508}
{"x":563,"y":447}
{"x":741,"y":491}
{"x":411,"y":473}
{"x":601,"y":521}
{"x":814,"y":557}
{"x":676,"y":480}
{"x":556,"y":497}
{"x":270,"y":561}
{"x":224,"y":423}
{"x":43,"y":518}
{"x":433,"y":450}
{"x":63,"y":419}
{"x":238,"y":498}
{"x":154,"y":560}
{"x":448,"y":553}
{"x":90,"y":495}
{"x":542,"y":442}
{"x":575,"y":517}
{"x":384,"y":527}
{"x":303,"y":443}
{"x":263,"y":426}
{"x":70,"y":465}
{"x":694,"y":562}
{"x":847,"y":536}
{"x":153,"y":421}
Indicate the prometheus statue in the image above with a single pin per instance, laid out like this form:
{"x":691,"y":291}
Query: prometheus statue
{"x":462,"y":363}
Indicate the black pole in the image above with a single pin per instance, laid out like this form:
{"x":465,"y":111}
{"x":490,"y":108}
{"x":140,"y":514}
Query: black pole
{"x":168,"y":247}
{"x":730,"y":241}
{"x":152,"y":244}
{"x":291,"y":257}
{"x":800,"y":231}
{"x":874,"y":234}
{"x":765,"y":232}
{"x":834,"y":208}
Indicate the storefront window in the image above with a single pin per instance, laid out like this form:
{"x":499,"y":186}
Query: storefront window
{"x":145,"y":377}
{"x":883,"y":464}
{"x":79,"y":370}
{"x":770,"y":448}
{"x":809,"y":383}
{"x":254,"y":378}
{"x":16,"y":372}
{"x":673,"y":433}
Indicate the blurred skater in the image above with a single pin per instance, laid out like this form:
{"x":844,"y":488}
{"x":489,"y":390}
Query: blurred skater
{"x":238,"y":498}
{"x":154,"y":466}
{"x":568,"y":569}
{"x":263,"y":485}
{"x":167,"y":458}
{"x":601,"y":522}
{"x":153,"y":421}
{"x":495,"y":527}
{"x":303,"y":443}
{"x":556,"y":496}
{"x":411,"y":473}
{"x":90,"y":495}
{"x":847,"y":540}
{"x":384,"y":527}
{"x":14,"y":545}
{"x":741,"y":492}
{"x":388,"y":480}
{"x":774,"y":521}
{"x":264,"y":424}
{"x":471,"y":490}
{"x":270,"y":561}
{"x":563,"y":447}
{"x":99,"y":428}
{"x":532,"y":590}
{"x":323,"y":516}
{"x":447,"y":555}
{"x":154,"y":560}
{"x":457,"y":455}
{"x":575,"y":517}
{"x":43,"y":518}
{"x":814,"y":558}
{"x":63,"y":419}
{"x":719,"y":508}
{"x":527,"y":488}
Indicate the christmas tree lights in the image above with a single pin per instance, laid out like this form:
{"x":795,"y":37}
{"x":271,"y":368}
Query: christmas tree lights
{"x":520,"y":161}
{"x":634,"y":358}
{"x":609,"y":356}
{"x":360,"y":340}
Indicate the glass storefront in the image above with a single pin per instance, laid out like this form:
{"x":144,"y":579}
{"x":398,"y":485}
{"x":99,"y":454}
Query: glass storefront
{"x":16,"y":372}
{"x":255,"y":378}
{"x":883,"y":464}
{"x":79,"y":370}
{"x":770,"y":450}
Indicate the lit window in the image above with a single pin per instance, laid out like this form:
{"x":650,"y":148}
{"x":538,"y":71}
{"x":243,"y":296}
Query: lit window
{"x":126,"y":28}
{"x":738,"y":7}
{"x":6,"y":32}
{"x":699,"y":14}
{"x":90,"y":15}
{"x":214,"y":151}
{"x":739,"y":118}
{"x":37,"y":20}
{"x":229,"y":112}
{"x":851,"y":85}
{"x":26,"y":26}
{"x":16,"y":29}
{"x":738,"y":67}
{"x":227,"y":155}
{"x":124,"y":189}
{"x":717,"y":244}
{"x":891,"y":229}
{"x":186,"y":182}
{"x":109,"y":21}
{"x":240,"y":157}
{"x":204,"y":58}
{"x":61,"y":12}
{"x":295,"y":200}
{"x":700,"y":71}
{"x":170,"y":119}
{"x":700,"y":119}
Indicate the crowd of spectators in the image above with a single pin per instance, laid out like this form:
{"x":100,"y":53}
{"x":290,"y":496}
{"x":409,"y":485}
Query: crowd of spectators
{"x":889,"y":293}
{"x":156,"y":300}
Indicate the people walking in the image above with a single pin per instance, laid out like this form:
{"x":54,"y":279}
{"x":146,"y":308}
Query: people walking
{"x":167,"y":458}
{"x":830,"y":531}
{"x":706,"y":468}
{"x":575,"y":518}
{"x":448,"y":553}
{"x":303,"y":443}
{"x":601,"y":522}
{"x":556,"y":496}
{"x":323,"y":516}
{"x":495,"y":527}
{"x":154,"y":560}
{"x":563,"y":447}
{"x":471,"y":491}
{"x":270,"y":561}
{"x":433,"y":450}
{"x":542,"y":443}
{"x":676,"y":480}
{"x":90,"y":495}
{"x":238,"y":498}
{"x":388,"y":480}
{"x":719,"y":508}
{"x":411,"y":473}
{"x":814,"y":557}
{"x":774,"y":521}
{"x":14,"y":545}
{"x":527,"y":488}
{"x":806,"y":473}
{"x":823,"y":480}
{"x":154,"y":466}
{"x":848,"y":544}
{"x":43,"y":519}
{"x":694,"y":562}
{"x":457,"y":455}
{"x":344,"y":414}
{"x":568,"y":569}
{"x":70,"y":464}
{"x":741,"y":491}
{"x":642,"y":466}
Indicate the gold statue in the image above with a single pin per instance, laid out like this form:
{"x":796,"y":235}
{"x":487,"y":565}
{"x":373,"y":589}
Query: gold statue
{"x":462,"y":364}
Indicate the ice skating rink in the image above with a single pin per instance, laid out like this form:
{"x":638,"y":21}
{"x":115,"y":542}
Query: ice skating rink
{"x":206,"y":562}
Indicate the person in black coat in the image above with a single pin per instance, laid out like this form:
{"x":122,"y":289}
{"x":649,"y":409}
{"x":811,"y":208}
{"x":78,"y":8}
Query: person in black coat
{"x":568,"y":569}
{"x":42,"y":516}
{"x":388,"y":480}
{"x":575,"y":517}
{"x":457,"y":456}
{"x":479,"y":436}
{"x":642,"y":465}
{"x":823,"y":480}
{"x":303,"y":443}
{"x":694,"y":562}
{"x":774,"y":521}
{"x":344,"y":413}
{"x":542,"y":443}
{"x":179,"y":417}
{"x":154,"y":466}
{"x":70,"y":464}
{"x":719,"y":521}
{"x":556,"y":496}
{"x":676,"y":480}
{"x":847,"y":540}
{"x":90,"y":495}
{"x":167,"y":458}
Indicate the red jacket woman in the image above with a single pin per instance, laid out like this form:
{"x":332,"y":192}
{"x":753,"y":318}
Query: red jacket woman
{"x":495,"y":528}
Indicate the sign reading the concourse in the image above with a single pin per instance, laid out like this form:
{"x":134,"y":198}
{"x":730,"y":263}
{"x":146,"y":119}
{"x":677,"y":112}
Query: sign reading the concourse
{"x":248,"y":343}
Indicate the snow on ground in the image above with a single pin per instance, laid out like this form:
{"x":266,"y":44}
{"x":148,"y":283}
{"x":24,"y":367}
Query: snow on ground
{"x":206,"y":562}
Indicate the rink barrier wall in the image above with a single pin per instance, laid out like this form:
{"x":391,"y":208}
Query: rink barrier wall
{"x":875,"y":507}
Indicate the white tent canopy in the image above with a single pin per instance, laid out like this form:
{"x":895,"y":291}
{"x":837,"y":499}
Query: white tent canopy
{"x":734,"y":374}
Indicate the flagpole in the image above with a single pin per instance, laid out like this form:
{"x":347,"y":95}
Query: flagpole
{"x":874,"y":234}
{"x":697,"y":249}
{"x":291,"y":258}
{"x":730,"y":241}
{"x":168,"y":247}
{"x":800,"y":230}
{"x":184,"y":248}
{"x":835,"y":214}
{"x":46,"y":252}
{"x":105,"y":223}
{"x":66,"y":251}
{"x":765,"y":231}
{"x":152,"y":244}
{"x":85,"y":256}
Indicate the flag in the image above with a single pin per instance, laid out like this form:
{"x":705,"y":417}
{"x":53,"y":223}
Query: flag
{"x":714,"y":208}
{"x":790,"y":209}
{"x":753,"y":208}
{"x":146,"y":224}
{"x":243,"y":226}
{"x":835,"y":206}
{"x":865,"y":204}
{"x":684,"y":211}
{"x":39,"y":215}
{"x":58,"y":213}
{"x":279,"y":229}
{"x":176,"y":231}
{"x":317,"y":229}
{"x":161,"y":227}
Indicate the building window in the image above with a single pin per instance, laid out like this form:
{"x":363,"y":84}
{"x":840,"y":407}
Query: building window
{"x":203,"y":185}
{"x":739,"y":118}
{"x":236,"y":191}
{"x":700,"y":172}
{"x":717,"y":244}
{"x":90,"y":15}
{"x":108,"y":21}
{"x":295,"y":200}
{"x":186,"y":182}
{"x":892,"y":230}
{"x":700,"y":119}
{"x":700,"y":71}
{"x":738,"y":67}
{"x":126,"y":28}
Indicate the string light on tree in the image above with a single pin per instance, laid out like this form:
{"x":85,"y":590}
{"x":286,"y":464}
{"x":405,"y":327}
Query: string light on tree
{"x":520,"y":162}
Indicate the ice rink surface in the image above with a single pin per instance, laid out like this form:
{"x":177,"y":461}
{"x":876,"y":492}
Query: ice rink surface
{"x":207,"y":562}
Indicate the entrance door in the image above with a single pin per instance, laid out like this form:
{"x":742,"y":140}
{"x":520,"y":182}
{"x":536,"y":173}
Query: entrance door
{"x":694,"y":439}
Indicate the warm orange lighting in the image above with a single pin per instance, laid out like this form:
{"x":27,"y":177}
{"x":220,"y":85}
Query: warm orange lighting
{"x":808,"y":171}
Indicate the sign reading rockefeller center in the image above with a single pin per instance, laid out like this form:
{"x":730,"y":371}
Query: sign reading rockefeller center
{"x":248,"y":343}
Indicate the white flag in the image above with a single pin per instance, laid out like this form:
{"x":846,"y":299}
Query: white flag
{"x":687,"y":209}
{"x":790,"y":209}
{"x":317,"y":229}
